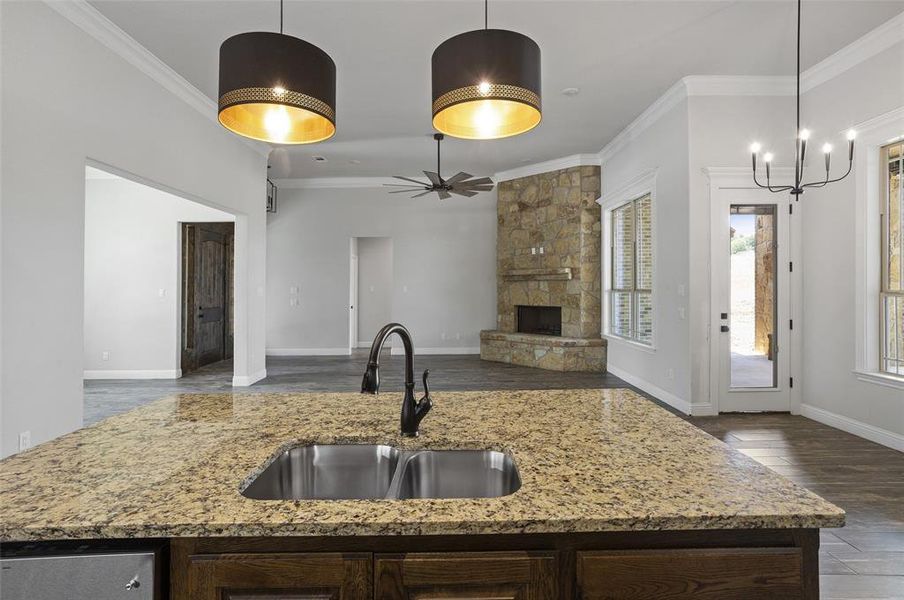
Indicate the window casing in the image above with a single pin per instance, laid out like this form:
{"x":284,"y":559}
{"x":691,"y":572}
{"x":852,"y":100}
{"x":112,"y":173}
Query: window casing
{"x":630,"y":285}
{"x":891,"y":292}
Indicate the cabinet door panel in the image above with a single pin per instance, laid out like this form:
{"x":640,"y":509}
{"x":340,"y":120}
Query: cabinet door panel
{"x":280,"y":576}
{"x":699,"y":574}
{"x":467,"y":576}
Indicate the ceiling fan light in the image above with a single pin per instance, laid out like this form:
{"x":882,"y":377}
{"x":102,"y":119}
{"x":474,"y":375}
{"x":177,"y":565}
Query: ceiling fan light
{"x":277,"y":88}
{"x":486,"y":85}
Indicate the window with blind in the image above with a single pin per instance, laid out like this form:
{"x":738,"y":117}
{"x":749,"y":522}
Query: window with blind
{"x":892,"y":289}
{"x":631,"y":272}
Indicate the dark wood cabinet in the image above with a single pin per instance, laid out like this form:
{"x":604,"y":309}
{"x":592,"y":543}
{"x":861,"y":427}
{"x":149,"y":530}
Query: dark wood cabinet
{"x":280,"y":576}
{"x":697,"y":574}
{"x":466,"y":576}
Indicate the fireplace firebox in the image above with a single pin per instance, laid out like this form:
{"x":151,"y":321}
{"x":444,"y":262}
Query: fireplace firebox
{"x":543,"y":320}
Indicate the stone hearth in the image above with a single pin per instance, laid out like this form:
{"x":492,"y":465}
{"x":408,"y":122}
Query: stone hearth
{"x":548,"y":254}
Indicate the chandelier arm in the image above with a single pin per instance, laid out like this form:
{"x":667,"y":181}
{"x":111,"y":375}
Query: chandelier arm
{"x":828,"y":181}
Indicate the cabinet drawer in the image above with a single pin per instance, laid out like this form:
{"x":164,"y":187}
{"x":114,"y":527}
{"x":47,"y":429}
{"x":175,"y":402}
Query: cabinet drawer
{"x":723,"y":573}
{"x":280,"y":576}
{"x":467,"y":576}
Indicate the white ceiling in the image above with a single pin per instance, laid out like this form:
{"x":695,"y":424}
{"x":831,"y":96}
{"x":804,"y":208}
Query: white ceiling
{"x":621,"y":55}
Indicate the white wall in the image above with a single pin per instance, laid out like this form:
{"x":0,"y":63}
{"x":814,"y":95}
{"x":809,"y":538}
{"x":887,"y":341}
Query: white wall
{"x":870,"y":89}
{"x":132,"y":252}
{"x":444,"y":266}
{"x":66,"y":98}
{"x":374,"y":287}
{"x":663,"y":147}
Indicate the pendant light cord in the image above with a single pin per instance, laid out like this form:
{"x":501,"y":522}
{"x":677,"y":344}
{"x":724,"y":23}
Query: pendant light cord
{"x":486,"y":13}
{"x":280,"y":16}
{"x":798,"y":168}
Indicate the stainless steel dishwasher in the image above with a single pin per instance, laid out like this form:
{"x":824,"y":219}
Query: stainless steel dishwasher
{"x":38,"y":573}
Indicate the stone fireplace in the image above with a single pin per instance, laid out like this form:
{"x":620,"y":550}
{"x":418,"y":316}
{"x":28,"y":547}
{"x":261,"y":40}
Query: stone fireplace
{"x":548,"y":273}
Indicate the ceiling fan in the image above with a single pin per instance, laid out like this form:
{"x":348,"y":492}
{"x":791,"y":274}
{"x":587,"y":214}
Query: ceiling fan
{"x":460,"y":184}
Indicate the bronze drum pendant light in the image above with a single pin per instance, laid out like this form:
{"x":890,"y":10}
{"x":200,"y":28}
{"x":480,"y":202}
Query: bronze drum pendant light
{"x":277,"y":88}
{"x":486,"y":84}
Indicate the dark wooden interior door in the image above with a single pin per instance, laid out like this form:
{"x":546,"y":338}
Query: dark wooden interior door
{"x":207,"y":293}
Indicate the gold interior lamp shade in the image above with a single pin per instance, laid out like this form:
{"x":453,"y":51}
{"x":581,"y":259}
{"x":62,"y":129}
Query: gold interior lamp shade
{"x":486,"y":85}
{"x":277,"y":88}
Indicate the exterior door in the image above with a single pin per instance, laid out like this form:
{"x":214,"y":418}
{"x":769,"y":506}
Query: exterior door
{"x":207,"y":293}
{"x":752,"y":280}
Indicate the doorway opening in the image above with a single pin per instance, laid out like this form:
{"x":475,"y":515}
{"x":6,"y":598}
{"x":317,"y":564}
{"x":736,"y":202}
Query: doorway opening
{"x":753,"y":296}
{"x":133,"y":266}
{"x":370,"y":289}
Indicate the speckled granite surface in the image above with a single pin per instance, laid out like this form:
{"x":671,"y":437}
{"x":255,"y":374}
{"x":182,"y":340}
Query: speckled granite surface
{"x":590,"y":460}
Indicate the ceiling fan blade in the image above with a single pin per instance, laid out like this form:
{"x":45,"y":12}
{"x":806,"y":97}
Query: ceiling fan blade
{"x":464,"y":192}
{"x":460,"y":176}
{"x":422,"y":194}
{"x":433,"y":177}
{"x":421,"y":183}
{"x":480,"y":181}
{"x":405,"y":191}
{"x":475,"y":188}
{"x":443,"y":194}
{"x":404,"y":185}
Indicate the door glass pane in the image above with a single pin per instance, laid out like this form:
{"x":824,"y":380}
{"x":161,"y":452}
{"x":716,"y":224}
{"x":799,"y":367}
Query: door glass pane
{"x":621,"y":314}
{"x":753,"y":296}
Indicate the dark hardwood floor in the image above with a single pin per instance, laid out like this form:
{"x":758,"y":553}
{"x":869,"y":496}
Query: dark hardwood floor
{"x":865,"y":559}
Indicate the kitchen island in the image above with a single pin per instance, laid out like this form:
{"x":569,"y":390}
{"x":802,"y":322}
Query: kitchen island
{"x":618,"y":499}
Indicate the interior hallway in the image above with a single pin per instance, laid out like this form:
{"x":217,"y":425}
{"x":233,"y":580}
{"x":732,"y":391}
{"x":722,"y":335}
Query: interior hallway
{"x":865,"y":559}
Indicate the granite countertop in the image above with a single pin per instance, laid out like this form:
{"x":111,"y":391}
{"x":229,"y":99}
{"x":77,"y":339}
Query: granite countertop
{"x":590,"y":460}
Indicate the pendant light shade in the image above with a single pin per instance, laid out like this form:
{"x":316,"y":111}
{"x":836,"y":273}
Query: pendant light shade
{"x":277,"y":88}
{"x":486,"y":85}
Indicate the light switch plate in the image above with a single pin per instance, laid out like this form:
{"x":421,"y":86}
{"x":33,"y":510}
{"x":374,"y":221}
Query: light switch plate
{"x":24,"y":440}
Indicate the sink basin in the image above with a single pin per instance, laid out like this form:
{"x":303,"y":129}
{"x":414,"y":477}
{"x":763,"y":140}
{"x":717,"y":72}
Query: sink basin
{"x":327,"y":472}
{"x":376,"y":472}
{"x":459,"y":474}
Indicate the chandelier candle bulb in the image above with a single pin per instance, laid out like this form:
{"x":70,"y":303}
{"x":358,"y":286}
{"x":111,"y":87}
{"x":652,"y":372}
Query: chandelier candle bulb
{"x":798,"y":185}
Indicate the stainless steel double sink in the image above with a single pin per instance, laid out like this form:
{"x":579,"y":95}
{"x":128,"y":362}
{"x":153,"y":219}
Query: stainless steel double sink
{"x":373,"y":471}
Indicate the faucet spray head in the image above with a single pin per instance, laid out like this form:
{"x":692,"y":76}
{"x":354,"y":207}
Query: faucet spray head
{"x":371,"y":381}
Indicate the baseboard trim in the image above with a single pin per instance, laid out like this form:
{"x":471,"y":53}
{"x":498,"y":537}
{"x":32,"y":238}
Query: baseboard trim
{"x":657,"y":392}
{"x":396,"y":351}
{"x":246,"y":380}
{"x":309,"y":351}
{"x":134,"y":374}
{"x":859,"y":428}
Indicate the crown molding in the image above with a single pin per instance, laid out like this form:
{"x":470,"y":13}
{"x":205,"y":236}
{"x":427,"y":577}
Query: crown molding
{"x":319,"y":183}
{"x":870,"y":44}
{"x":739,"y":85}
{"x":662,"y":105}
{"x":91,"y":21}
{"x":556,"y":164}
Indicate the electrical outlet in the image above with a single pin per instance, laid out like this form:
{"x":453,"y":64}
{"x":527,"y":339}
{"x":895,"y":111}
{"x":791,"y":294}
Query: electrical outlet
{"x":105,"y":355}
{"x":533,"y":250}
{"x":542,"y":250}
{"x":293,"y":289}
{"x":681,"y":290}
{"x":24,"y":440}
{"x":161,"y":293}
{"x":682,"y":313}
{"x":293,"y":301}
{"x":670,"y":374}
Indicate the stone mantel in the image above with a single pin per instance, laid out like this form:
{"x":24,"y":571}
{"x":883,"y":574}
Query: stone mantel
{"x":561,"y":274}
